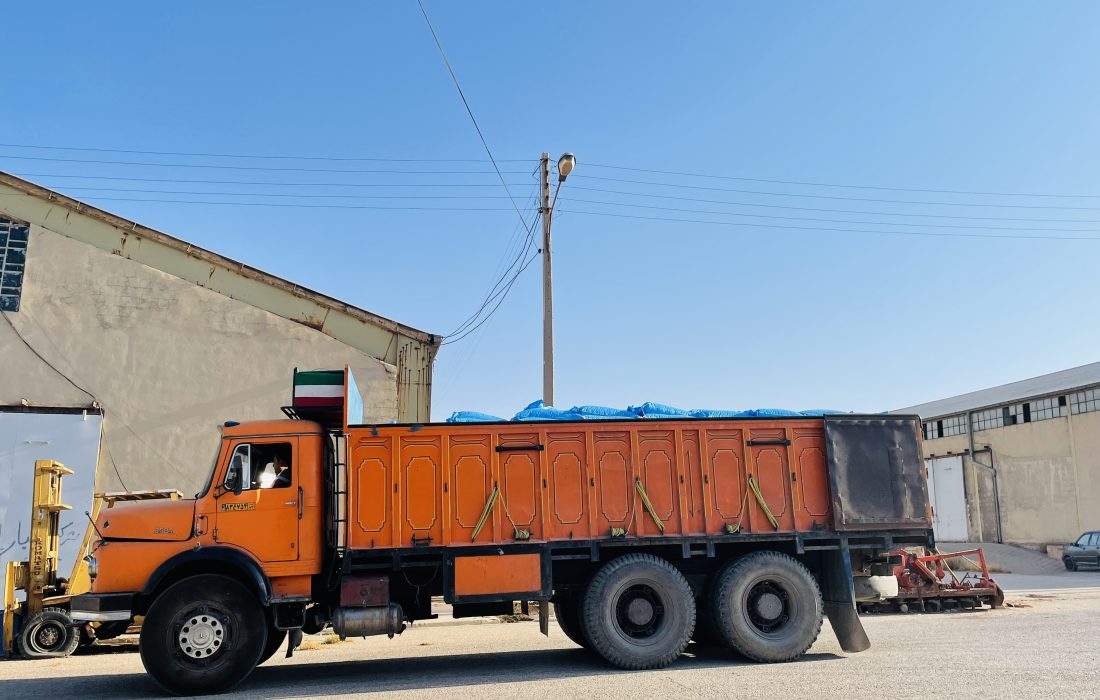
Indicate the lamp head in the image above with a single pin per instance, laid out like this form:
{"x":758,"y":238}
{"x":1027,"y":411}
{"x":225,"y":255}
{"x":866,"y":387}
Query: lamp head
{"x":565,"y":166}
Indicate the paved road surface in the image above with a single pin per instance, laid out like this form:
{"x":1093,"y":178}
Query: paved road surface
{"x":1050,"y":648}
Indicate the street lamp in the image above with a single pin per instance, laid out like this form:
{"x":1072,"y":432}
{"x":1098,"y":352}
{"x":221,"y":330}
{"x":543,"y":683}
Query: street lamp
{"x":565,"y":166}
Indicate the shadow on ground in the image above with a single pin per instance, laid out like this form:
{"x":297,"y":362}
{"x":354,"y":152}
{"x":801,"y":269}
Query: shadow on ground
{"x":384,"y":675}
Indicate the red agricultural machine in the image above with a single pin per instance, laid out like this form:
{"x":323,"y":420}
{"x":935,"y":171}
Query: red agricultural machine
{"x":927,"y":583}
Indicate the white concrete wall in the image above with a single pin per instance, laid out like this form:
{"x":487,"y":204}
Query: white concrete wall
{"x":169,"y":361}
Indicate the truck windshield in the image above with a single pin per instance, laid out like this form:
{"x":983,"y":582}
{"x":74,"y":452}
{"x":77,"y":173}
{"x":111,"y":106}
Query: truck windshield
{"x":210,"y":475}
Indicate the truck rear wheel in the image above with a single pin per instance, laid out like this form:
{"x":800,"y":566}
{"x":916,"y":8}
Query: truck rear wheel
{"x":568,"y":614}
{"x":638,"y":612}
{"x":767,"y":606}
{"x":204,"y":634}
{"x":49,"y":633}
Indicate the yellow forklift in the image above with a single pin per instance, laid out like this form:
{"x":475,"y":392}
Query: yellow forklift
{"x":40,"y":626}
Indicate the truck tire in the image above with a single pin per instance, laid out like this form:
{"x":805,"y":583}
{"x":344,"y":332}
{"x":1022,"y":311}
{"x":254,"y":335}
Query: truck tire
{"x":275,"y":639}
{"x":638,"y":612}
{"x":49,"y":634}
{"x":202,"y":635}
{"x":767,"y":606}
{"x":568,"y":614}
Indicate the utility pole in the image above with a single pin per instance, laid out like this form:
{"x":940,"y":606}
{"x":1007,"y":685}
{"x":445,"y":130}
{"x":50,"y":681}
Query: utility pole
{"x":547,"y":285}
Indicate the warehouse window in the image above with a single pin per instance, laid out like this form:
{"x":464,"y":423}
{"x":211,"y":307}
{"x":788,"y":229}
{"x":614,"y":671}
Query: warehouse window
{"x":987,"y":420}
{"x":946,"y":427}
{"x":13,"y":259}
{"x":1085,"y":401}
{"x":1045,"y":409}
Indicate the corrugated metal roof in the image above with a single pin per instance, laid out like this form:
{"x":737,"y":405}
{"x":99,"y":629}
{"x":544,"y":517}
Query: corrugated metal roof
{"x":1043,"y":385}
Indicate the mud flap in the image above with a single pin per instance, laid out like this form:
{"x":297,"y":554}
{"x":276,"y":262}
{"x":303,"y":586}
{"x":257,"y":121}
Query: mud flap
{"x":838,"y":592}
{"x":294,"y":639}
{"x":544,"y":616}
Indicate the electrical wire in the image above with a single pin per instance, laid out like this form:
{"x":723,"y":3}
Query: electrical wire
{"x":504,"y":295}
{"x":834,"y":197}
{"x":834,"y":221}
{"x":286,"y":194}
{"x":266,"y":168}
{"x":279,"y":204}
{"x":846,"y":186}
{"x":837,"y":230}
{"x":499,"y":291}
{"x":788,"y":207}
{"x":193,"y":154}
{"x":469,"y":110}
{"x":67,"y":378}
{"x":272,"y":184}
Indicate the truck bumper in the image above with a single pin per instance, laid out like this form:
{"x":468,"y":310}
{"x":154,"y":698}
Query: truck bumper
{"x":101,"y":607}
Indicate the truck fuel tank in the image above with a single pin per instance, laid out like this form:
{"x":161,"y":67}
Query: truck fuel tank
{"x":364,"y":622}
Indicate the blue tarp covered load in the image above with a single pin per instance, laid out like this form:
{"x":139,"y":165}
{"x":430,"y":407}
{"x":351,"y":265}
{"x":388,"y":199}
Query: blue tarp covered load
{"x":536,"y":411}
{"x":658,"y":410}
{"x":600,"y":412}
{"x":472,"y":417}
{"x":648,"y":410}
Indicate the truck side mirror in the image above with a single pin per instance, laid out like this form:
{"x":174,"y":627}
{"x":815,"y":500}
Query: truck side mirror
{"x":237,"y":488}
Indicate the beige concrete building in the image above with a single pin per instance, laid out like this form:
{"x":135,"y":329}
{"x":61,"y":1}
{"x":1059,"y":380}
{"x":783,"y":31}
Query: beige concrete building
{"x":1017,"y":463}
{"x":163,"y":341}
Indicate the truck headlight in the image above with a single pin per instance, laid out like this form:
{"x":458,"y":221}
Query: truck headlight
{"x":93,"y":567}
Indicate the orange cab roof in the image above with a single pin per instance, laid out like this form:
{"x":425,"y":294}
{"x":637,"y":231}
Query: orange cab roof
{"x":272,"y":427}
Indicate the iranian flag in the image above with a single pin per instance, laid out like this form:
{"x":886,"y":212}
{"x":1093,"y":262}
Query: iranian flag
{"x":321,"y":388}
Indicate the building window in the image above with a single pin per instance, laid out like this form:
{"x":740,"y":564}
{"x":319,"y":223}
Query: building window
{"x":987,"y":420}
{"x":946,"y":427}
{"x":1045,"y":409}
{"x":13,"y":260}
{"x":1085,"y":401}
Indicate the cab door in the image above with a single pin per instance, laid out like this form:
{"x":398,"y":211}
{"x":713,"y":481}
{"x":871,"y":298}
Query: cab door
{"x":260,"y":504}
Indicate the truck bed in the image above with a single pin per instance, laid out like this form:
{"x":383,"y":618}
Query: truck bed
{"x":430,"y":485}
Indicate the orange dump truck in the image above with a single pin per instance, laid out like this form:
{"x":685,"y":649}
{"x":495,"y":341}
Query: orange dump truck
{"x":643,"y":534}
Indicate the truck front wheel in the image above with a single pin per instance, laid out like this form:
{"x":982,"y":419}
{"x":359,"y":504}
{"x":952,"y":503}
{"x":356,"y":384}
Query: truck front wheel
{"x":767,"y":606}
{"x":203,"y":635}
{"x":638,"y":612}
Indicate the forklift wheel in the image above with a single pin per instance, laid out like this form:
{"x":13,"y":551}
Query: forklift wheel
{"x":49,"y":634}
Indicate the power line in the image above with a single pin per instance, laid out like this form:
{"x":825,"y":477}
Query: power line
{"x":788,"y":207}
{"x":194,"y":154}
{"x":525,"y":244}
{"x":500,"y":301}
{"x":265,"y":168}
{"x":836,"y":230}
{"x":286,"y":194}
{"x":67,"y":378}
{"x":272,"y":184}
{"x":833,"y":221}
{"x":836,"y":197}
{"x":578,"y":187}
{"x":296,"y":205}
{"x":466,"y":103}
{"x":846,"y":186}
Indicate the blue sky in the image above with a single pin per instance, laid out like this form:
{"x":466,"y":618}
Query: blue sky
{"x":976,"y":97}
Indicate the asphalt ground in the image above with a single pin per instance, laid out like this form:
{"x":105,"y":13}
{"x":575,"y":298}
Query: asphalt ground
{"x":1046,"y":645}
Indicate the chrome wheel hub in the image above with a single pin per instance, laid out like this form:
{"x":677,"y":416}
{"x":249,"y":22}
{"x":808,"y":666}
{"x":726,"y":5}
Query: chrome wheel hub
{"x":201,"y":636}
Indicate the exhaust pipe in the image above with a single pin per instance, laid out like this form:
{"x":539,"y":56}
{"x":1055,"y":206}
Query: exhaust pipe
{"x":365,"y":622}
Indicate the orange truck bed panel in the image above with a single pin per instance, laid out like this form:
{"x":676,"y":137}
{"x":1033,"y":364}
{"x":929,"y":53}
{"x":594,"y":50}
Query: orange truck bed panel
{"x":576,"y":481}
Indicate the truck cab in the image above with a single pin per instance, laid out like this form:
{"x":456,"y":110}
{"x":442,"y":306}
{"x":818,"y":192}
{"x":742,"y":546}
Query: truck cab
{"x":258,"y":522}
